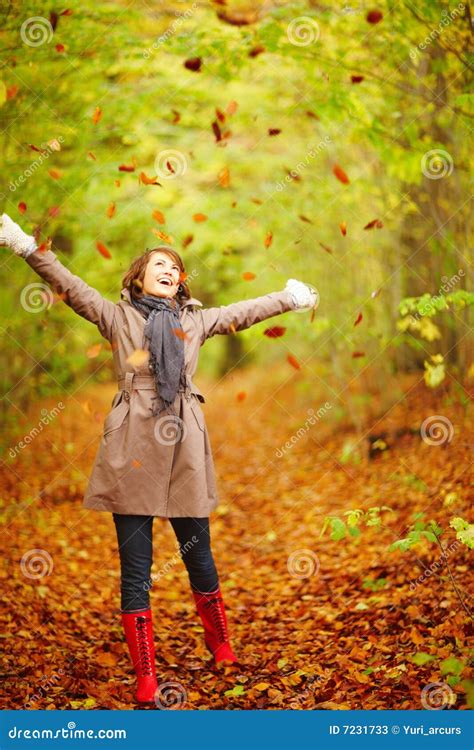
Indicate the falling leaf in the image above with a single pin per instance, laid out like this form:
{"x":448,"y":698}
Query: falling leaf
{"x":12,"y":91}
{"x":89,"y":153}
{"x":241,"y":396}
{"x":138,"y":357}
{"x":97,"y":115}
{"x":355,"y":355}
{"x":375,"y":293}
{"x":257,"y":201}
{"x":268,"y":239}
{"x":293,"y":361}
{"x":127,"y":168}
{"x":67,"y":12}
{"x":325,"y":247}
{"x":54,"y":211}
{"x":163,"y":236}
{"x":103,"y":250}
{"x":194,"y":64}
{"x":275,"y":332}
{"x":60,"y":48}
{"x":358,"y":319}
{"x":248,"y":276}
{"x":374,"y":223}
{"x":187,"y":240}
{"x":340,"y":174}
{"x":220,"y":115}
{"x":111,"y":210}
{"x":35,"y":148}
{"x":257,"y":50}
{"x":357,"y":79}
{"x":232,"y":108}
{"x":305,"y":218}
{"x":176,"y":116}
{"x":179,"y":333}
{"x":148,"y":180}
{"x":198,"y":218}
{"x":22,"y":207}
{"x":217,"y":131}
{"x":312,"y":114}
{"x":343,"y":228}
{"x":274,"y":131}
{"x":55,"y":174}
{"x":94,"y":351}
{"x":374,"y":16}
{"x":224,"y":177}
{"x":158,"y":216}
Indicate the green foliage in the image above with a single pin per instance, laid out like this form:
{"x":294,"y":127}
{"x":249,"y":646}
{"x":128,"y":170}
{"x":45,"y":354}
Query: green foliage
{"x":350,"y":526}
{"x":464,"y":531}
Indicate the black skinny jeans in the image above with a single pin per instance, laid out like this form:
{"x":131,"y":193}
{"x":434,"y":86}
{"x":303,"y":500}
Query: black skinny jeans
{"x":135,"y":542}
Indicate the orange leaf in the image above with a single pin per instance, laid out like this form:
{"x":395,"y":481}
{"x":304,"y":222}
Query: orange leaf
{"x":340,"y":174}
{"x":138,"y":358}
{"x":224,"y":177}
{"x":248,"y":276}
{"x":162,"y":236}
{"x":374,"y":223}
{"x":241,"y":395}
{"x":111,"y":210}
{"x":54,"y":173}
{"x":187,"y":240}
{"x":275,"y":332}
{"x":343,"y":228}
{"x":97,"y":115}
{"x":199,"y":217}
{"x":12,"y":91}
{"x":158,"y":216}
{"x":268,"y":239}
{"x":177,"y":116}
{"x":355,"y":355}
{"x":358,"y":319}
{"x":103,"y":250}
{"x":293,"y":362}
{"x":127,"y":168}
{"x":232,"y":107}
{"x":117,"y":183}
{"x":148,"y":180}
{"x":89,"y":153}
{"x":325,"y":247}
{"x":94,"y":351}
{"x":54,"y":211}
{"x":22,"y":207}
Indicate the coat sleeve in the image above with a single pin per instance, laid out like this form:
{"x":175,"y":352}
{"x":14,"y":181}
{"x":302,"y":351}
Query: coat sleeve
{"x":82,"y":298}
{"x":241,"y":315}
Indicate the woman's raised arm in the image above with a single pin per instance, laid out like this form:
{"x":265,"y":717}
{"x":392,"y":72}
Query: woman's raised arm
{"x":240,"y":315}
{"x":82,"y":298}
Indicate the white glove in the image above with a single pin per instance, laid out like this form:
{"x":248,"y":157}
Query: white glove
{"x":13,"y":237}
{"x":303,"y":297}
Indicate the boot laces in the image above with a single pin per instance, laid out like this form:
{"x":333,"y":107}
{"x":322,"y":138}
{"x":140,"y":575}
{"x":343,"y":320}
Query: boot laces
{"x":143,"y":646}
{"x":215,"y":607}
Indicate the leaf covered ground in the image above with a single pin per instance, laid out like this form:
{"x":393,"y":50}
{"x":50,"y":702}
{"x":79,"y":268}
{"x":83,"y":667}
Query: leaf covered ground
{"x":316,"y":623}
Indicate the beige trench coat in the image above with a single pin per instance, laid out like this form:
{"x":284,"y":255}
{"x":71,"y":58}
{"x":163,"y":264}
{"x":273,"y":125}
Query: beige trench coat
{"x":144,"y":465}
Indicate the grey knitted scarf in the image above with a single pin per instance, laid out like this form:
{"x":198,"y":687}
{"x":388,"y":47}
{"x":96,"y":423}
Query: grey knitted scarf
{"x":166,"y":346}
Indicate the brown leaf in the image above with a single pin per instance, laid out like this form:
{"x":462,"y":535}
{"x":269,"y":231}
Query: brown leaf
{"x":357,"y":79}
{"x":343,"y":228}
{"x":374,"y":16}
{"x":358,"y":319}
{"x":374,"y":223}
{"x":193,"y":63}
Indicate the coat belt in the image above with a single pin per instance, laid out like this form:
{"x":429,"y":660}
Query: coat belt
{"x":147,"y":383}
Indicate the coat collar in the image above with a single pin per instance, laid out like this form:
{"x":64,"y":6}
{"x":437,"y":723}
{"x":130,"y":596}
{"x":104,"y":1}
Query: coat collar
{"x":125,"y":294}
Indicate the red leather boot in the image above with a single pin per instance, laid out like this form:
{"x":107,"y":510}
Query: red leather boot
{"x":138,"y":629}
{"x":210,"y":607}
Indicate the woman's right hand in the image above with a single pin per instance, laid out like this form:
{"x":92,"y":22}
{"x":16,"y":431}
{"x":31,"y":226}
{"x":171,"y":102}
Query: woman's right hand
{"x":14,"y":238}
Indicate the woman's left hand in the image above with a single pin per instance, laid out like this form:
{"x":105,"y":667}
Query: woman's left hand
{"x":303,"y":296}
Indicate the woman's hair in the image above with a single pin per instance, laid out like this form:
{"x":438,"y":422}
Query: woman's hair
{"x":133,"y":279}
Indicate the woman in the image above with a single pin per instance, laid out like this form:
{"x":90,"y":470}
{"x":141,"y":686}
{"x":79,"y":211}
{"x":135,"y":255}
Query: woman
{"x":155,"y":456}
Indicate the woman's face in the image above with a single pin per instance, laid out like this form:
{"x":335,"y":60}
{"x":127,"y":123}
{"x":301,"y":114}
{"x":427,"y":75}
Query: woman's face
{"x":161,"y":275}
